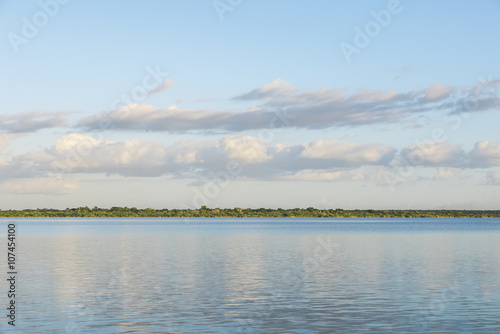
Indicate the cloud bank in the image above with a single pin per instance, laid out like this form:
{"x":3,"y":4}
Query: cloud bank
{"x":326,"y":160}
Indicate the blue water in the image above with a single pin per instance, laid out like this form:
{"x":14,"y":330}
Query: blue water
{"x":255,"y":275}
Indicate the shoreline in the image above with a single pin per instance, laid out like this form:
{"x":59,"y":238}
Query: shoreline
{"x":205,"y":212}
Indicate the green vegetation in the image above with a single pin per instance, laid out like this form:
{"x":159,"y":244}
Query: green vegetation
{"x":238,"y":212}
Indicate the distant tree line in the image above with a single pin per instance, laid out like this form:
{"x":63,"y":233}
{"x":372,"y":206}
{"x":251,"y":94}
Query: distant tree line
{"x":240,"y":212}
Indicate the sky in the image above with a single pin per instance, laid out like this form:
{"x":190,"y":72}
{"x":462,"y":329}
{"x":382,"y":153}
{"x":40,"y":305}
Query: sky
{"x":236,"y":103}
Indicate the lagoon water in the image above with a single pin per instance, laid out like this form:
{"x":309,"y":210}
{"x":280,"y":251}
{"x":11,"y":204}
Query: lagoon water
{"x":256,"y":275}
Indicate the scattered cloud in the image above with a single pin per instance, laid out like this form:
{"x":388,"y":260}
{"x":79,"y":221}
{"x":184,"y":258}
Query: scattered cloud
{"x":145,"y":117}
{"x":81,"y":153}
{"x":438,"y":91}
{"x":278,"y":87}
{"x":354,"y":153}
{"x":485,"y":154}
{"x":245,"y":148}
{"x":434,"y":153}
{"x":166,"y":84}
{"x":281,"y":104}
{"x":482,"y":97}
{"x":32,"y":121}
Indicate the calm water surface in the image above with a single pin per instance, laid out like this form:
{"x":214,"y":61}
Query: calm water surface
{"x":256,"y":275}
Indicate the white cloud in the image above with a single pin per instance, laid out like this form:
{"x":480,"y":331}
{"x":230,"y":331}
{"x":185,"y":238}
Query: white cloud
{"x":276,"y":87}
{"x":142,"y":116}
{"x":438,"y":91}
{"x":245,"y":148}
{"x":354,"y":153}
{"x":75,"y":142}
{"x":188,"y":152}
{"x":434,"y":153}
{"x":32,"y":121}
{"x":485,"y":154}
{"x":166,"y":84}
{"x":81,"y":153}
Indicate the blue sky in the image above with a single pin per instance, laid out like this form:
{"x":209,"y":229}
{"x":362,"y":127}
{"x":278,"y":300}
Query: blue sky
{"x":408,"y":121}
